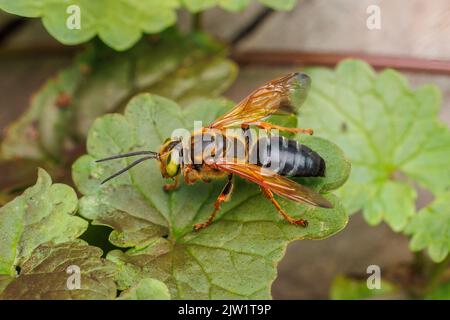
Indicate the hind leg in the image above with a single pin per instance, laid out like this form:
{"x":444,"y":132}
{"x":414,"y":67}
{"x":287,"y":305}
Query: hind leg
{"x":288,"y":218}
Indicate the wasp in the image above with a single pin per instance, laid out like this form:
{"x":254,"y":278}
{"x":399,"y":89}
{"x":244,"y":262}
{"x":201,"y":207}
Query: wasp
{"x":269,"y":161}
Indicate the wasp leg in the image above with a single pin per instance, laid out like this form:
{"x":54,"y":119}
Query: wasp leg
{"x":223,"y":196}
{"x":269,"y":195}
{"x":190,"y":175}
{"x":172,"y":186}
{"x":269,"y":126}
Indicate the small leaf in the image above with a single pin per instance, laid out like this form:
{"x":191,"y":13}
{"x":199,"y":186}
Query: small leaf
{"x":146,"y":289}
{"x":345,"y":288}
{"x":43,"y":213}
{"x":236,"y":256}
{"x":430,"y":228}
{"x":390,"y":133}
{"x":47,"y":274}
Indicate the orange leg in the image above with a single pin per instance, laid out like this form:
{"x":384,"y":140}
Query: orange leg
{"x":269,"y":195}
{"x":172,"y":186}
{"x":270,"y":126}
{"x":223,"y":196}
{"x":190,"y":175}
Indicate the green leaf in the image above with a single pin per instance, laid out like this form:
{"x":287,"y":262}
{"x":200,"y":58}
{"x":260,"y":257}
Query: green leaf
{"x":107,"y":20}
{"x":44,"y":213}
{"x":198,"y":5}
{"x":185,"y":68}
{"x":345,"y":288}
{"x":236,"y":256}
{"x":50,"y":270}
{"x":390,"y":133}
{"x":442,"y":292}
{"x":284,"y":5}
{"x":430,"y":228}
{"x":17,"y":175}
{"x":101,"y":17}
{"x":146,"y":289}
{"x":236,"y":5}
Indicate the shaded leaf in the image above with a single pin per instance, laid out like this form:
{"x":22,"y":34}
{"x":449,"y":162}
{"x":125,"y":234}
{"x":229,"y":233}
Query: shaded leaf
{"x":236,"y":256}
{"x":187,"y":69}
{"x":345,"y":288}
{"x":390,"y":133}
{"x":17,"y":175}
{"x":430,"y":228}
{"x":41,"y":214}
{"x":47,"y":274}
{"x":41,"y":131}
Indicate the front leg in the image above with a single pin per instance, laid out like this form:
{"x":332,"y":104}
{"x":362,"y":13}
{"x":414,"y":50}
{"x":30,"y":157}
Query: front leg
{"x":223,"y":196}
{"x":190,"y":175}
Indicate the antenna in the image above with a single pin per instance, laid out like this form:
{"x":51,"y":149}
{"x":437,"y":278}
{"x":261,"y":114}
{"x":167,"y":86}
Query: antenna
{"x":151,"y":155}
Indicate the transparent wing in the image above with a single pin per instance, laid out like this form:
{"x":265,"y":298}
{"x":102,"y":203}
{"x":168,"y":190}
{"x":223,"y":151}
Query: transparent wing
{"x":280,"y":96}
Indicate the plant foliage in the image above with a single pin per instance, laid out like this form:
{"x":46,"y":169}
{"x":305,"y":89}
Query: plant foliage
{"x":120,"y":23}
{"x":236,"y":256}
{"x":184,"y":68}
{"x":395,"y":141}
{"x":39,"y":246}
{"x":345,"y":288}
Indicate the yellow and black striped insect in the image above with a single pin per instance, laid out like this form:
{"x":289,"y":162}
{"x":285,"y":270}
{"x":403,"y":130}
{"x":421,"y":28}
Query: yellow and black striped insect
{"x":213,"y":152}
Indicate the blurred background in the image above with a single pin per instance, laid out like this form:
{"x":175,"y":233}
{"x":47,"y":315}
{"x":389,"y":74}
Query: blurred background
{"x":414,"y":38}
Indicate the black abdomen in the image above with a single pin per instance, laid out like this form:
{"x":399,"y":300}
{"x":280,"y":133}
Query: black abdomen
{"x":287,"y":157}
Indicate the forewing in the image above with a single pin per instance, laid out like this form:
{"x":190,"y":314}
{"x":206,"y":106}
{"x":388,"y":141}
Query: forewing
{"x":279,"y":185}
{"x":280,"y":96}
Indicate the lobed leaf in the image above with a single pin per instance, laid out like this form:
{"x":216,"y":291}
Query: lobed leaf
{"x":47,"y":273}
{"x":101,"y":17}
{"x":430,"y":228}
{"x":236,"y":256}
{"x":390,"y":133}
{"x":40,"y":257}
{"x":76,"y":21}
{"x":44,"y":213}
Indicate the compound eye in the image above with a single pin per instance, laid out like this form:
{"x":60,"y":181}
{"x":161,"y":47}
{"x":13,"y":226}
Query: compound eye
{"x":173,"y":164}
